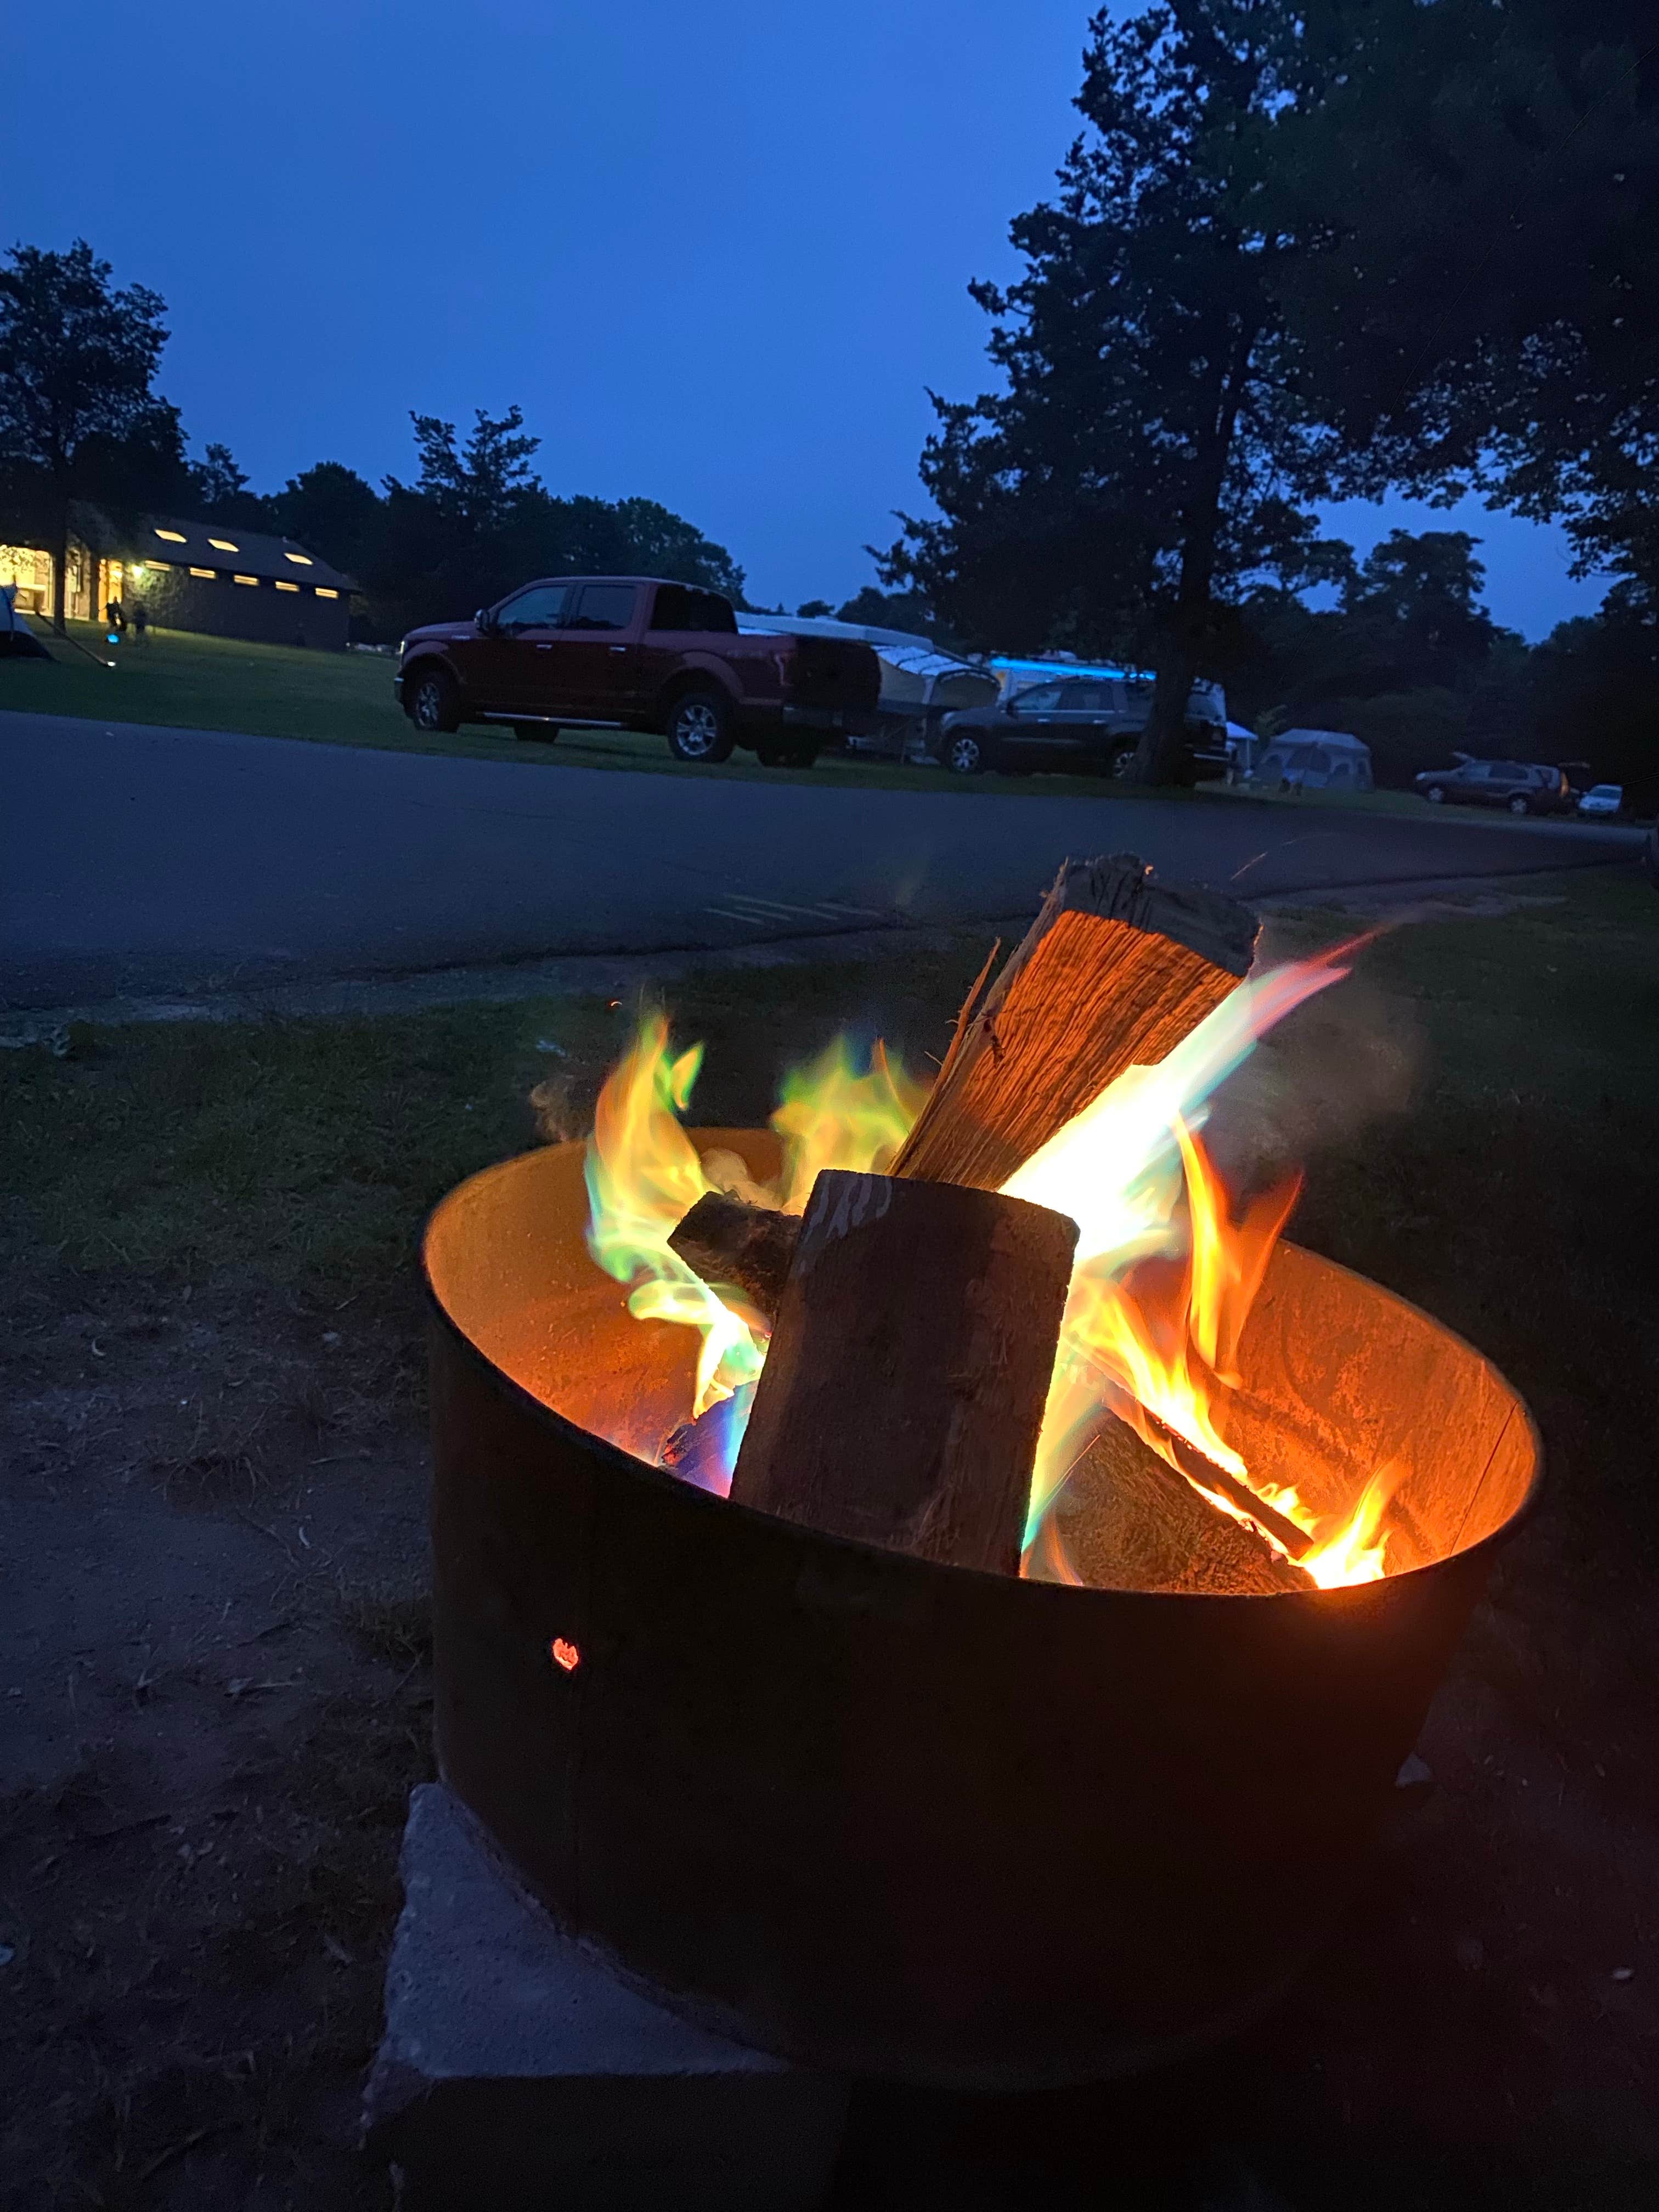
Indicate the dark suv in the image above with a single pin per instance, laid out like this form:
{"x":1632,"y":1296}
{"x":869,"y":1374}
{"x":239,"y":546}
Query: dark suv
{"x":1522,"y":787}
{"x":1090,"y":725}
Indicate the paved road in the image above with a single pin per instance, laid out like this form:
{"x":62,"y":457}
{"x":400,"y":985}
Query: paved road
{"x":150,"y":860}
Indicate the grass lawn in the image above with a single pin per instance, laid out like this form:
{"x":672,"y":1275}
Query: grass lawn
{"x":345,"y":699}
{"x":213,"y":1350}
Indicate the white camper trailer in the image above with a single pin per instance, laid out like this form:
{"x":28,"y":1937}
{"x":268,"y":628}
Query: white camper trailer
{"x":919,"y":683}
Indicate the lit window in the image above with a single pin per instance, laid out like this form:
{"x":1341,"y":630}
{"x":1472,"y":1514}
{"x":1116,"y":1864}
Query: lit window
{"x":173,"y":536}
{"x":225,"y":545}
{"x":245,"y":580}
{"x":282,"y":586}
{"x":203,"y":571}
{"x":327,"y":591}
{"x":300,"y":560}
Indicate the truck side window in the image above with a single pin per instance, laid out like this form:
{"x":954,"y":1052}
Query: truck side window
{"x":679,"y":607}
{"x":542,"y":607}
{"x":602,"y":606}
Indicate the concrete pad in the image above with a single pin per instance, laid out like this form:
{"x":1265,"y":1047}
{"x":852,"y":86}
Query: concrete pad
{"x":517,"y":2070}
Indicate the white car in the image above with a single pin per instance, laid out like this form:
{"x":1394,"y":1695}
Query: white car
{"x":1602,"y":798}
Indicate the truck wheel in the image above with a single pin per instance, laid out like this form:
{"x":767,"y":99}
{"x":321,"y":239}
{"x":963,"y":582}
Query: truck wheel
{"x":535,"y":733}
{"x":699,"y":728}
{"x":434,"y":704}
{"x":963,"y":754}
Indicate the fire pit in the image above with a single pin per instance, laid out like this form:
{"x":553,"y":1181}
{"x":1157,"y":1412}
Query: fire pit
{"x":885,"y":1816}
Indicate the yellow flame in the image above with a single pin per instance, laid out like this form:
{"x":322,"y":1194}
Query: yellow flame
{"x":643,"y":1178}
{"x":644,"y":1175}
{"x":1164,"y":1278}
{"x":830,"y":1116}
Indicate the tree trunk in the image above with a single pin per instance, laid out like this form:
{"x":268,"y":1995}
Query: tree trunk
{"x":60,"y":573}
{"x":1161,"y":755}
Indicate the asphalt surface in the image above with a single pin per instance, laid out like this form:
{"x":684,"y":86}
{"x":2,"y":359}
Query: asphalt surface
{"x":145,"y":861}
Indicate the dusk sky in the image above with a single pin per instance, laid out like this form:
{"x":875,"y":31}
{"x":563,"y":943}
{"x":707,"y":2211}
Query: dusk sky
{"x":716,"y":253}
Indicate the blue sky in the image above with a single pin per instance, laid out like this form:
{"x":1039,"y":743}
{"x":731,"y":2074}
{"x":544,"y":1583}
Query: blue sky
{"x":717,"y":252}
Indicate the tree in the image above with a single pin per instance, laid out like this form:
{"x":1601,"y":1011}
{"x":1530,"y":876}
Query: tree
{"x":814,"y":609}
{"x":330,"y":509}
{"x":482,"y":487}
{"x":222,"y":493}
{"x":1145,"y":462}
{"x":1490,"y":319}
{"x":77,"y":360}
{"x":661,"y":543}
{"x":881,"y":609}
{"x":478,"y":521}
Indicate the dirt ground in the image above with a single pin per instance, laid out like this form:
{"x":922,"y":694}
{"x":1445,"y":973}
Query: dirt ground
{"x":215,"y":1697}
{"x":214,"y":1694}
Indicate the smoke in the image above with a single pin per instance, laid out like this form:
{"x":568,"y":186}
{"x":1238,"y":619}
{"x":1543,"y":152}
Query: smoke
{"x":1334,"y":1068}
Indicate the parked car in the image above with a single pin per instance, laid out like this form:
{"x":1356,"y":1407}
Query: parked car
{"x":1603,"y":798}
{"x":1522,"y":787}
{"x":638,"y":653}
{"x":1088,"y":723}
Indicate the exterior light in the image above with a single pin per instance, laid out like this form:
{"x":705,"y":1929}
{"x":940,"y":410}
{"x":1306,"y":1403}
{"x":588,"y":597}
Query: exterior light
{"x":300,"y":560}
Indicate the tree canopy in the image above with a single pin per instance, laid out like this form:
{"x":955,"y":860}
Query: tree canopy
{"x":1151,"y":451}
{"x":78,"y":416}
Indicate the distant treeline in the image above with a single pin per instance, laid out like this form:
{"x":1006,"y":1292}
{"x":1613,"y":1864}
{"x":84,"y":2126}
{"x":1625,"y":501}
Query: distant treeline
{"x":81,"y":425}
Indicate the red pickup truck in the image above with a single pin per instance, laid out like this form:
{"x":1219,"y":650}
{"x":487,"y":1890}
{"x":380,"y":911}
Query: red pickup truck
{"x":635,"y":652}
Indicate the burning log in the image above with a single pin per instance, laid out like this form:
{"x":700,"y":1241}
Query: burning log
{"x":903,"y":1390}
{"x":1115,"y":970}
{"x":1131,"y":1522}
{"x":728,"y":1240}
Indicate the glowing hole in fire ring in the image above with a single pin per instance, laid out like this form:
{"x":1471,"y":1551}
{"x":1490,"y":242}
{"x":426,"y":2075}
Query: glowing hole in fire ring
{"x":564,"y":1655}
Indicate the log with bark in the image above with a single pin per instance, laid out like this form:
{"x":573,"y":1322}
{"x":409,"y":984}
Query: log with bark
{"x":1116,"y":969}
{"x":749,"y":1248}
{"x":904,"y":1386}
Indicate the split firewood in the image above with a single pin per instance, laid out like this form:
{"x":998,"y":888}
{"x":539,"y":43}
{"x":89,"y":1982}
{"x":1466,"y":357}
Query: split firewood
{"x":1130,"y":1521}
{"x":904,"y":1387}
{"x":1116,"y":969}
{"x":728,"y":1240}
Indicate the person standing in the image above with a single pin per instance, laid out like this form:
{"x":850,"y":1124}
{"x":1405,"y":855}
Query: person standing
{"x":140,"y":624}
{"x":115,"y":618}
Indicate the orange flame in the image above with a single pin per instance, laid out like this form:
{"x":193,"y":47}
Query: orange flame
{"x":1165,"y":1274}
{"x":1161,"y":1340}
